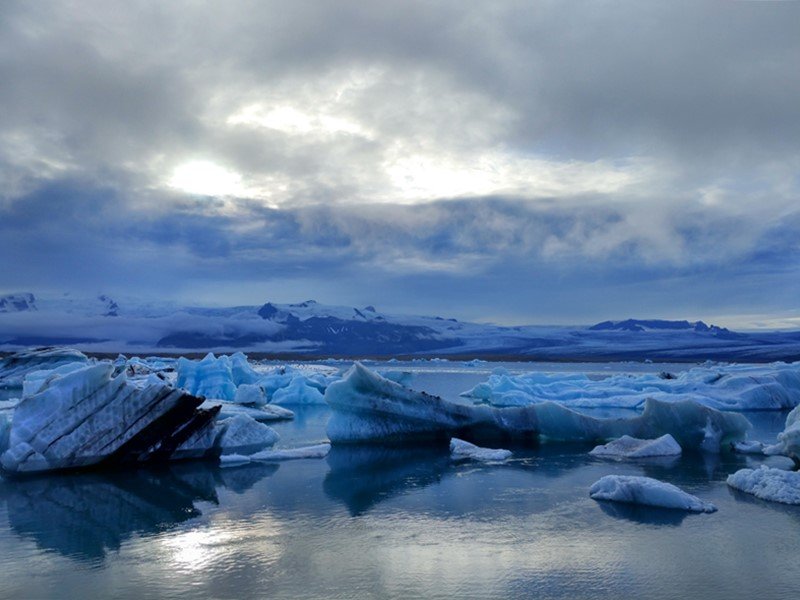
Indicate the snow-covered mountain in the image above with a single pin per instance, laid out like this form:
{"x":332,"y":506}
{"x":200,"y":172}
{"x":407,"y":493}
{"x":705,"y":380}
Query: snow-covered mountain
{"x":101,"y":324}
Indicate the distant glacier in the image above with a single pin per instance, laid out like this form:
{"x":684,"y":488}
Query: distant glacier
{"x":310,"y":329}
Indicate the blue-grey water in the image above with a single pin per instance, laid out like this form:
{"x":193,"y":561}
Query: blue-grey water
{"x":386,"y":522}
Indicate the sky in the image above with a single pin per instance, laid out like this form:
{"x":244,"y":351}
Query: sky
{"x":516,"y":162}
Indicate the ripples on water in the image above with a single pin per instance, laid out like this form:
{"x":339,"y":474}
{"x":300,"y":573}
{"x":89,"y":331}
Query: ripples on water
{"x":381,"y":522}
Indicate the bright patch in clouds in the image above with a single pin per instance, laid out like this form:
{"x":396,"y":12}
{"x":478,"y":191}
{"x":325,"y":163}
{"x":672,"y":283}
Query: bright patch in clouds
{"x":204,"y":178}
{"x":297,"y":122}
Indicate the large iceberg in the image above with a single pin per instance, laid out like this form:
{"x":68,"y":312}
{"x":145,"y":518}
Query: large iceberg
{"x":369,"y":408}
{"x":15,"y":367}
{"x":775,"y":485}
{"x":211,"y":377}
{"x":647,"y":492}
{"x":89,"y":417}
{"x":630,"y":447}
{"x":729,"y":387}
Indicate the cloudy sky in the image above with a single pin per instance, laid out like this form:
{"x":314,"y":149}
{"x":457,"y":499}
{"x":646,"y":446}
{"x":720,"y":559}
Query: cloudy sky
{"x":522,"y":162}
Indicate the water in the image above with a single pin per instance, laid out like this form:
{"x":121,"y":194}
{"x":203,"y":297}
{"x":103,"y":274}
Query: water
{"x":388,"y":522}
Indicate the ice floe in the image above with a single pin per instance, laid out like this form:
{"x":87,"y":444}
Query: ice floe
{"x":723,"y":387}
{"x":775,"y":485}
{"x":647,"y":492}
{"x":369,"y":408}
{"x":630,"y":447}
{"x":463,"y":450}
{"x":316,"y":451}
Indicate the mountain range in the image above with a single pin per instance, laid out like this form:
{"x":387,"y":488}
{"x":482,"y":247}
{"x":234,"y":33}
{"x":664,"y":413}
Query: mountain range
{"x":311,"y":329}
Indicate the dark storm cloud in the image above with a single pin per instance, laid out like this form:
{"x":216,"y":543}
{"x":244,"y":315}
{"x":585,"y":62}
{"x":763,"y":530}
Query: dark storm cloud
{"x":585,"y":147}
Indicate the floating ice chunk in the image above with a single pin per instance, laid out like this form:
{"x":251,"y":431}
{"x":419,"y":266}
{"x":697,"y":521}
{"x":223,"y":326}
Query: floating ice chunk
{"x":775,"y":485}
{"x":369,"y":408}
{"x":629,"y":447}
{"x":266,"y":413}
{"x":15,"y":367}
{"x":233,"y":460}
{"x":318,"y":451}
{"x":749,"y":447}
{"x":250,"y":394}
{"x":88,"y":417}
{"x":210,"y":377}
{"x":299,"y":391}
{"x":244,"y":435}
{"x":648,"y":492}
{"x":463,"y":450}
{"x":728,"y":387}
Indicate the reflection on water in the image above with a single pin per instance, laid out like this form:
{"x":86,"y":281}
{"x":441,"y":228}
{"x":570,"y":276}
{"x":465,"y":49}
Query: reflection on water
{"x":361,"y":476}
{"x":85,"y":515}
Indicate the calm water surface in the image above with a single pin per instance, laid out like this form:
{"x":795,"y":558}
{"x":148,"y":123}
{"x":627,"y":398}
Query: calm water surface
{"x":384,"y":522}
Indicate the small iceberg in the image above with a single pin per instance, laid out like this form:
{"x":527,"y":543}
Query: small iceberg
{"x":631,"y":447}
{"x":775,"y":485}
{"x":748,"y":447}
{"x":647,"y":492}
{"x":242,"y":434}
{"x":317,"y":451}
{"x":463,"y":450}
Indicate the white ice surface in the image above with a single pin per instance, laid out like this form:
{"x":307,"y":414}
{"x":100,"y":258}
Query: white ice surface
{"x":463,"y":450}
{"x":630,"y":447}
{"x":775,"y":485}
{"x":648,"y":492}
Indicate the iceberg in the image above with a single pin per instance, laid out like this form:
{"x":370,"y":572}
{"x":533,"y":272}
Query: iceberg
{"x":298,"y":392}
{"x":15,"y":367}
{"x":630,"y":447}
{"x":369,"y":408}
{"x":89,"y":417}
{"x":775,"y":485}
{"x":244,"y":435}
{"x":250,"y":394}
{"x":647,"y":492}
{"x":749,"y":447}
{"x":463,"y":450}
{"x":729,"y":387}
{"x":211,"y":377}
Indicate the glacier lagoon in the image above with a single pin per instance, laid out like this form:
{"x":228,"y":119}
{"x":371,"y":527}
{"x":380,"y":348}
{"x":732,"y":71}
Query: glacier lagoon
{"x":400,"y":522}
